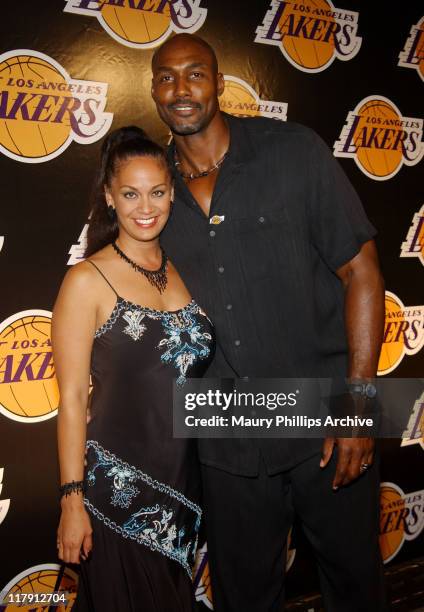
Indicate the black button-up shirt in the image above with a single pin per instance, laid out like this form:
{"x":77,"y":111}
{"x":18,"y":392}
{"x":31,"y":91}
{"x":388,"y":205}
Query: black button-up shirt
{"x":265,"y":274}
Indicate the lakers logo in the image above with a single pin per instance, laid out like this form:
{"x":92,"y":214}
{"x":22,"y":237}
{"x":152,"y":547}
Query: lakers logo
{"x":380,"y":139}
{"x":241,"y":99}
{"x":414,"y":243}
{"x":141,"y":24}
{"x":310,"y":33}
{"x":45,"y":579}
{"x":76,"y":252}
{"x":414,"y":433}
{"x":403,"y":333}
{"x":201,"y":578}
{"x":42,"y":110}
{"x":401,"y":518}
{"x":412,"y":55}
{"x":28,"y":387}
{"x":4,"y":503}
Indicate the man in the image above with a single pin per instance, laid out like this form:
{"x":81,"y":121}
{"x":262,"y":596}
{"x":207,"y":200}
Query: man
{"x":289,"y":276}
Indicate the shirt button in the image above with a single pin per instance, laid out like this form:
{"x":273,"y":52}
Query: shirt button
{"x":212,"y":233}
{"x":261,"y":219}
{"x":237,"y":342}
{"x":229,"y":306}
{"x":221,"y":269}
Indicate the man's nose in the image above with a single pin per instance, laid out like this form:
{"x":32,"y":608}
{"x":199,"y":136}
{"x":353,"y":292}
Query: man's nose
{"x":182,"y":87}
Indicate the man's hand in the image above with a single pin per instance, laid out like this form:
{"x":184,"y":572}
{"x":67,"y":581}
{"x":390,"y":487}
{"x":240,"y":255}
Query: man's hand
{"x":352,"y":454}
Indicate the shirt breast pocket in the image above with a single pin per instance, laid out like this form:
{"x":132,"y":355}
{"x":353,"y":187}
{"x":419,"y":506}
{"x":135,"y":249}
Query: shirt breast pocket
{"x":258,"y":240}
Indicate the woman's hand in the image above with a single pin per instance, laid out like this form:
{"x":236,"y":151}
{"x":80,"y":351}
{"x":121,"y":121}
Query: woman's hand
{"x":74,"y":533}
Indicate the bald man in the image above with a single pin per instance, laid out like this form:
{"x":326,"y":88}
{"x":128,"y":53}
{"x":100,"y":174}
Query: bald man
{"x":288,"y":273}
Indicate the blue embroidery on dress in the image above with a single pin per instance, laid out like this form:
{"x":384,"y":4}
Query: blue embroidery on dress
{"x":150,"y":525}
{"x":186,"y":342}
{"x":122,"y":491}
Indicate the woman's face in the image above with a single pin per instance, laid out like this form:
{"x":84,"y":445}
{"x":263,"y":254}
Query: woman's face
{"x":141,"y":193}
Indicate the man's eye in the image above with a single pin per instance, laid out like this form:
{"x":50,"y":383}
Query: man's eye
{"x":197,"y":75}
{"x":165,"y":78}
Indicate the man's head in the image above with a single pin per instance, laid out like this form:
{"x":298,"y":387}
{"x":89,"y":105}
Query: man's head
{"x":186,"y":83}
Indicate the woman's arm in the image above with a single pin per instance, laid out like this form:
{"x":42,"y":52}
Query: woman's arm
{"x":74,"y":322}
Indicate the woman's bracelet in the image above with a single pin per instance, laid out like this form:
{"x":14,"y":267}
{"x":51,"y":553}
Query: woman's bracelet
{"x":76,"y":486}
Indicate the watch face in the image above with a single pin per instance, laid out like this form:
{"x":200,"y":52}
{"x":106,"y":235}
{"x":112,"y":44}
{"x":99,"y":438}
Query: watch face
{"x":367,"y":390}
{"x":370,"y":390}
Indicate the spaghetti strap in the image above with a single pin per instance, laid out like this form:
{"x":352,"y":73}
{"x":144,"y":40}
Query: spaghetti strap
{"x":101,"y":274}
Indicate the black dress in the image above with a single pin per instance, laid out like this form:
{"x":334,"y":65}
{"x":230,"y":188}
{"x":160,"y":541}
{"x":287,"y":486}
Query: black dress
{"x":143,"y":486}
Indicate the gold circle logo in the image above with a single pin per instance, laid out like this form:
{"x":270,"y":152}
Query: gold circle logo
{"x":393,"y":347}
{"x":380,"y":139}
{"x":28,"y":387}
{"x":241,"y":100}
{"x":42,"y":109}
{"x":310,"y":33}
{"x":392,"y":506}
{"x":141,"y":24}
{"x":25,"y":131}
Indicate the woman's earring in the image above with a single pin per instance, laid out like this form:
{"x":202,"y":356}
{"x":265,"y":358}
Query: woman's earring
{"x":111,"y":213}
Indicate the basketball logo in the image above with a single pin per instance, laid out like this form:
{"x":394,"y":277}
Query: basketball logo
{"x":380,"y":139}
{"x":310,"y":33}
{"x":28,"y":387}
{"x":4,"y":503}
{"x":201,"y":578}
{"x":141,"y":24}
{"x":76,"y":252}
{"x":403,"y":333}
{"x":401,"y":518}
{"x":241,"y":100}
{"x":414,"y":243}
{"x":412,"y":55}
{"x":414,"y":433}
{"x":45,"y":579}
{"x":42,"y":110}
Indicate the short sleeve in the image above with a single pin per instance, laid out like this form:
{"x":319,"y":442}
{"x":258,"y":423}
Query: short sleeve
{"x":338,"y":223}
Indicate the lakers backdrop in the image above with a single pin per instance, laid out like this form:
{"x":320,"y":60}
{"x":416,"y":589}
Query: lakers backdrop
{"x":71,"y":70}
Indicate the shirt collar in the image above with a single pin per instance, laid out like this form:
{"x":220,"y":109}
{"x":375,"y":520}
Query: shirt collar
{"x":240,"y":150}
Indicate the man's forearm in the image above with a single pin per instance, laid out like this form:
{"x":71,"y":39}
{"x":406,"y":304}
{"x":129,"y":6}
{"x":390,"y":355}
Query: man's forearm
{"x":364,"y":311}
{"x":364,"y":320}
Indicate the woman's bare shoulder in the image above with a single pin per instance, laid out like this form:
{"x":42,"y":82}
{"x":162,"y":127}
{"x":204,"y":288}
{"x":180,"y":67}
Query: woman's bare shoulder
{"x":83,"y":274}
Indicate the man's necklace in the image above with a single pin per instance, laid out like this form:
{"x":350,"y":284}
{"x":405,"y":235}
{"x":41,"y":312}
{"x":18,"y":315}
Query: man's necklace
{"x":157,"y":278}
{"x":190,"y":176}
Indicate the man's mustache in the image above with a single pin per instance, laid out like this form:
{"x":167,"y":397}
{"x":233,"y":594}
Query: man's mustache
{"x":183,"y":103}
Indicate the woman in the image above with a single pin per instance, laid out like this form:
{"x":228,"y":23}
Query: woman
{"x":125,"y":316}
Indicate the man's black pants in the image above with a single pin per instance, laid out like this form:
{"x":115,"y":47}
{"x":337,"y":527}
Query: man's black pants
{"x":247,"y":522}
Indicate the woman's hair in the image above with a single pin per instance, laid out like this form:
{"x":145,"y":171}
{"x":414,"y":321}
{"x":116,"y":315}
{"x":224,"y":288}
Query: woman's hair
{"x":120,"y":145}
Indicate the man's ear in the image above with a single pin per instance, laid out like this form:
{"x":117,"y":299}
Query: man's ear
{"x":220,"y":83}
